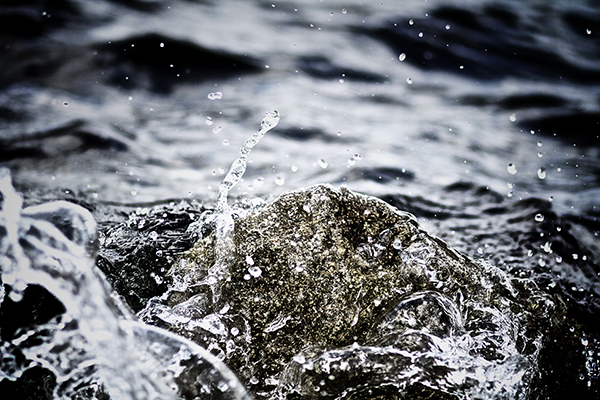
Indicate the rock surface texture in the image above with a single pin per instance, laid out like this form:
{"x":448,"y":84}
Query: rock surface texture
{"x":331,"y":293}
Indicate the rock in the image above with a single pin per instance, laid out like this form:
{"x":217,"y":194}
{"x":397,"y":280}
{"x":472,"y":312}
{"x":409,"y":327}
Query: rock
{"x":332,"y":293}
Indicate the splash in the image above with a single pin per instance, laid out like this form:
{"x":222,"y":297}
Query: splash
{"x":223,"y":219}
{"x":239,"y":166}
{"x":96,"y":342}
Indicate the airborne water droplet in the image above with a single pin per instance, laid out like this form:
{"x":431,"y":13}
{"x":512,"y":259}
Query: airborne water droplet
{"x":541,"y":173}
{"x":512,"y":169}
{"x":322,"y":163}
{"x":402,"y":57}
{"x":215,"y":96}
{"x":539,"y":217}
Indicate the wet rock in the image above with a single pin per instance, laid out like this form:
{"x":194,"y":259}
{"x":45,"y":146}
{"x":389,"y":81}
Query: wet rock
{"x":136,"y":254}
{"x":328,"y":286}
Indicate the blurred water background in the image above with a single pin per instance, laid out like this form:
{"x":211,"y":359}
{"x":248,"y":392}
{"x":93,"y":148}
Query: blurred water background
{"x":480,"y":117}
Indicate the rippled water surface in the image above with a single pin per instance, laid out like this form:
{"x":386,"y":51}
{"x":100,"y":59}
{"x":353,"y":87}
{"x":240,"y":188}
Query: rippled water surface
{"x":480,"y":118}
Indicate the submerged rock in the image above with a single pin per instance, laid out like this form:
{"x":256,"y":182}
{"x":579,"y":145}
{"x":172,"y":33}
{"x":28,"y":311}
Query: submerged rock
{"x":331,"y":293}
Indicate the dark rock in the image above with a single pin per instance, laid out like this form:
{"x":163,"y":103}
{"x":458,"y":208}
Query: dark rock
{"x":313,"y":275}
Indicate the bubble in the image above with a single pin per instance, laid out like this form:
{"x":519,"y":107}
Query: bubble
{"x":402,"y":56}
{"x":322,"y":163}
{"x":512,"y":169}
{"x":255,"y":271}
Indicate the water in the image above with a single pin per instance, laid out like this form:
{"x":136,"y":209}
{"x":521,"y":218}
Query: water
{"x":481,"y":118}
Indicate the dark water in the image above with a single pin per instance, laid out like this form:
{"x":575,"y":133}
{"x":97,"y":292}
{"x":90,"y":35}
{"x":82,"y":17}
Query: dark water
{"x":480,"y":118}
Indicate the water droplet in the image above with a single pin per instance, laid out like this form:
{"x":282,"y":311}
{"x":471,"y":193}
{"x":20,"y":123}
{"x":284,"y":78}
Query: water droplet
{"x":344,"y":11}
{"x":584,"y":341}
{"x":512,"y":169}
{"x":159,"y":253}
{"x":397,"y":244}
{"x":235,"y":331}
{"x":217,"y":129}
{"x":351,"y":162}
{"x":66,"y":104}
{"x":322,"y":163}
{"x":588,"y":31}
{"x":279,"y":180}
{"x":294,"y":168}
{"x":253,"y":380}
{"x":225,"y":142}
{"x":249,"y":260}
{"x":299,"y":358}
{"x":153,"y":235}
{"x":162,"y":45}
{"x":512,"y":117}
{"x":258,"y":182}
{"x":447,"y":26}
{"x":402,"y":57}
{"x":539,"y":144}
{"x":539,"y":217}
{"x":357,"y":156}
{"x":420,"y":34}
{"x":541,"y":173}
{"x":209,"y":121}
{"x":215,"y":96}
{"x":255,"y":271}
{"x":409,"y":81}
